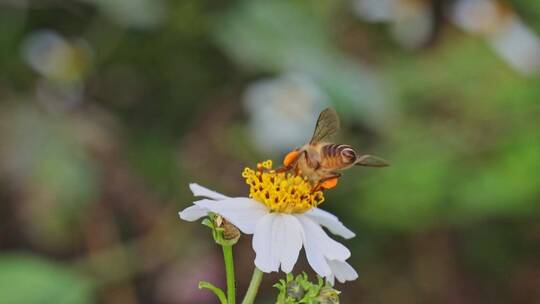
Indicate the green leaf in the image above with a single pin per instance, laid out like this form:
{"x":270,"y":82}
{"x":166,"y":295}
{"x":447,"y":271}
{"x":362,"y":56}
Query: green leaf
{"x":30,"y":279}
{"x":217,"y":291}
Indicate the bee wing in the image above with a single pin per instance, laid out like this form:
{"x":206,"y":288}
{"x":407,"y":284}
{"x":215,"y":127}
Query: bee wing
{"x":327,"y":124}
{"x":371,"y":161}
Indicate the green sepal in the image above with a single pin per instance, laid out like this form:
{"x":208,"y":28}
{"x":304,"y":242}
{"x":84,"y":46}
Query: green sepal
{"x":208,"y":223}
{"x":217,"y":232}
{"x":299,"y":290}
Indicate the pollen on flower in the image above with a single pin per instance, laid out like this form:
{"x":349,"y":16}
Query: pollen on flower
{"x":281,"y":192}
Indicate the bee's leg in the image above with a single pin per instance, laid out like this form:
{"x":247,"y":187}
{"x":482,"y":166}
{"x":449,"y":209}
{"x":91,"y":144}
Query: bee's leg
{"x":290,"y":161}
{"x":327,"y":182}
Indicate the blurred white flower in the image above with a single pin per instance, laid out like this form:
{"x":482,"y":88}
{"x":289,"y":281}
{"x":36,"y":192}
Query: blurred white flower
{"x":411,"y":20}
{"x":55,"y":58}
{"x":510,"y":38}
{"x":281,"y":111}
{"x":282,"y":220}
{"x":374,"y":10}
{"x":133,"y":13}
{"x":63,"y":66}
{"x":478,"y":16}
{"x":413,"y":23}
{"x":518,"y":46}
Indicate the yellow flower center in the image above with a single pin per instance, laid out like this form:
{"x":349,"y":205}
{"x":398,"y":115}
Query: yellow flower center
{"x":281,"y":192}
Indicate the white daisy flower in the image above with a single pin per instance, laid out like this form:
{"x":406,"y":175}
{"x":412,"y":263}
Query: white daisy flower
{"x":412,"y":22}
{"x":516,"y":43}
{"x":281,"y":110}
{"x":281,"y":213}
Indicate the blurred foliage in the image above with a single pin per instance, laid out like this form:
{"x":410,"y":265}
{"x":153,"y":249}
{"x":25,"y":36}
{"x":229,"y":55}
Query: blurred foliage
{"x":278,"y":36}
{"x":27,"y":279}
{"x":465,"y":157}
{"x":94,"y":167}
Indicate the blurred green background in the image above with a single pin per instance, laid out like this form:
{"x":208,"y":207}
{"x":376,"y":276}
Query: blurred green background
{"x":109,"y":108}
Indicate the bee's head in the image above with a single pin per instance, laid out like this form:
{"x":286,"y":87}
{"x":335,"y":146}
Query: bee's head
{"x":348,"y":155}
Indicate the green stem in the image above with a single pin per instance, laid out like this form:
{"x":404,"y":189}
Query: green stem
{"x":253,"y":286}
{"x":229,"y":270}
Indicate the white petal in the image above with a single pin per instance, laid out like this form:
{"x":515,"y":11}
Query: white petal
{"x":277,"y":240}
{"x":199,"y":190}
{"x":242,"y":212}
{"x":289,"y":237}
{"x":323,"y":243}
{"x":315,"y":258}
{"x":342,"y":271}
{"x":330,"y":221}
{"x":264,"y":259}
{"x":193,"y":213}
{"x":320,"y":246}
{"x":331,"y":279}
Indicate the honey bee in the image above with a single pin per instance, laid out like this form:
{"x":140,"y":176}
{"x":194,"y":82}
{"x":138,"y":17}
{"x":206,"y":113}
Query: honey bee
{"x":319,"y":160}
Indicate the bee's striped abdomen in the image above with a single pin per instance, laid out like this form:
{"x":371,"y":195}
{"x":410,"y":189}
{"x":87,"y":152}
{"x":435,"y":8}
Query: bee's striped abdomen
{"x":338,"y":155}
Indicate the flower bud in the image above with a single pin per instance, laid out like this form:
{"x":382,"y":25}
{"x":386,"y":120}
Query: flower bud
{"x":230,"y":232}
{"x":294,"y":290}
{"x":328,"y":295}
